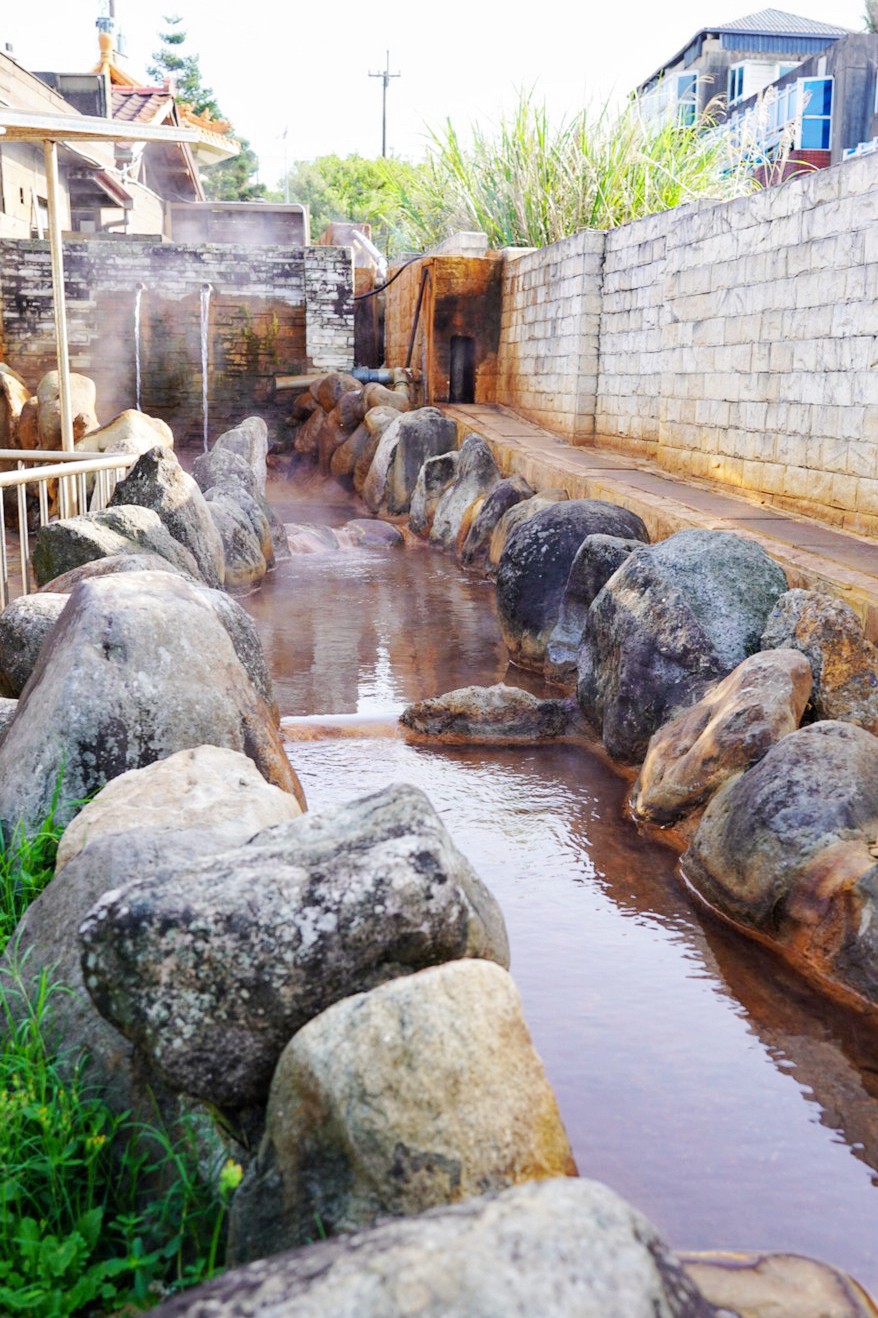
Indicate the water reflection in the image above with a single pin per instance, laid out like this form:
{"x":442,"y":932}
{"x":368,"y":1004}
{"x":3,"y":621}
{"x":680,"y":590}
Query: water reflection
{"x":696,"y":1073}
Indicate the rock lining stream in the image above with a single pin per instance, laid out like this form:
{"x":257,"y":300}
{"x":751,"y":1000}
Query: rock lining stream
{"x":696,"y":1073}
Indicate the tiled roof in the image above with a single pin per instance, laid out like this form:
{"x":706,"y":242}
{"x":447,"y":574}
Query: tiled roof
{"x":142,"y":105}
{"x":783,"y":24}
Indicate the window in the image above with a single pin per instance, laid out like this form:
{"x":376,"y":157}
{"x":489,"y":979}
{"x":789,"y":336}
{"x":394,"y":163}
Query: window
{"x":736,"y":83}
{"x":687,"y":98}
{"x":815,"y":100}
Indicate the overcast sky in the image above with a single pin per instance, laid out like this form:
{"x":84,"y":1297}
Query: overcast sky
{"x":276,"y":66}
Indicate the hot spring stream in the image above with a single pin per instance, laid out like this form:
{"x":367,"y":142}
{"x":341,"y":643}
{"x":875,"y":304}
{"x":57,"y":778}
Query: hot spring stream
{"x":696,"y":1074}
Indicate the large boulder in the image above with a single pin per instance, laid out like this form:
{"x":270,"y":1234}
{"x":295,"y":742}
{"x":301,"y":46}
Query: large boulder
{"x":554,"y":1248}
{"x":62,"y":546}
{"x":329,"y":388}
{"x":487,"y":714}
{"x":345,"y":458}
{"x":138,"y":666}
{"x":14,"y":393}
{"x":212,"y":967}
{"x":424,"y":1091}
{"x":476,"y":475}
{"x":24,"y":626}
{"x":504,"y":495}
{"x":83,"y":397}
{"x":726,"y":732}
{"x":597,"y":558}
{"x":509,"y":521}
{"x":376,"y":421}
{"x":402,"y":450}
{"x":673,"y":619}
{"x":378,"y":395}
{"x":843,"y":662}
{"x":193,"y":804}
{"x":536,"y":563}
{"x":788,"y":850}
{"x":422,"y":434}
{"x":128,"y":432}
{"x":308,"y":433}
{"x":105,"y":567}
{"x":433,"y":480}
{"x":225,"y":472}
{"x":157,"y":481}
{"x":249,"y":440}
{"x":245,"y":560}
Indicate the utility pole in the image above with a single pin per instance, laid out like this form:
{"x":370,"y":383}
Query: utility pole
{"x":385,"y":77}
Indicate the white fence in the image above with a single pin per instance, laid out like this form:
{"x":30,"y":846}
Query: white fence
{"x":80,"y":482}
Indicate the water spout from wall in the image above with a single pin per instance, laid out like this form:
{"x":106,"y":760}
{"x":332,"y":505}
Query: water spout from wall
{"x":206,"y":290}
{"x":138,"y":375}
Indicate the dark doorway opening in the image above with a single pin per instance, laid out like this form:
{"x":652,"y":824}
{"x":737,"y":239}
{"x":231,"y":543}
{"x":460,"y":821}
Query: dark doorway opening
{"x":462,"y":380}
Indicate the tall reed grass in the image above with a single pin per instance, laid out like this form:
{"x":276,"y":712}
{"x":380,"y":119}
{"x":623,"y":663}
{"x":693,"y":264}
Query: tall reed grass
{"x":531,"y":183}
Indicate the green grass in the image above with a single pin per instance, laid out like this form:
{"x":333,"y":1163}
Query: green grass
{"x":530,"y":183}
{"x":75,"y":1235}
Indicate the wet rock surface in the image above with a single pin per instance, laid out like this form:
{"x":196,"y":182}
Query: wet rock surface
{"x":474,"y":479}
{"x":404,"y":447}
{"x":787,"y":850}
{"x":157,"y":481}
{"x":433,"y":480}
{"x":675,"y":617}
{"x":505,"y":495}
{"x":513,"y":518}
{"x":62,"y":546}
{"x":597,"y":558}
{"x":533,"y":571}
{"x":488,"y":714}
{"x":726,"y":732}
{"x":245,"y":563}
{"x":554,"y":1248}
{"x":775,"y":1286}
{"x":425,"y":1091}
{"x":211,"y":969}
{"x":138,"y":666}
{"x":844,"y":663}
{"x":106,"y":567}
{"x":249,"y":440}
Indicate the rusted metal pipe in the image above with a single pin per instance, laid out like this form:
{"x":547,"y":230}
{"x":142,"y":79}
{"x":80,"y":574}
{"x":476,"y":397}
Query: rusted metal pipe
{"x":425,"y":275}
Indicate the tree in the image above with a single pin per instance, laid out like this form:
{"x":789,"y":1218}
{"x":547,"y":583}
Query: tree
{"x":232,"y":180}
{"x":356,"y":189}
{"x":871,"y":15}
{"x":184,"y":69}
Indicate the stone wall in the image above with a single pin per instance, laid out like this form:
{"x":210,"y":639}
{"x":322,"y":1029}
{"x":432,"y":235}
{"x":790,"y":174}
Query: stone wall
{"x":549,"y":327}
{"x":271,"y":311}
{"x":736,"y":341}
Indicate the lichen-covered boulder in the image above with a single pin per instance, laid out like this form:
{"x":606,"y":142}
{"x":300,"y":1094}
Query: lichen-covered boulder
{"x":556,"y":1248}
{"x":24,"y":626}
{"x":488,"y":714}
{"x":157,"y":481}
{"x":476,"y":475}
{"x":402,"y":451}
{"x":504,"y":495}
{"x":105,"y":567}
{"x":673,"y":619}
{"x":433,"y":480}
{"x":843,"y":662}
{"x":249,"y":440}
{"x":597,"y":558}
{"x":178,"y":810}
{"x":329,"y":388}
{"x":727,"y":731}
{"x":513,"y":518}
{"x":787,"y":849}
{"x":62,"y":546}
{"x":226,"y":472}
{"x":425,"y":1091}
{"x":138,"y":666}
{"x":245,"y":563}
{"x":128,"y":432}
{"x":536,"y":563}
{"x":212,"y":968}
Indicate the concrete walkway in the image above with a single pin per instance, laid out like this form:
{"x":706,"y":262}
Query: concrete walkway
{"x":812,"y":555}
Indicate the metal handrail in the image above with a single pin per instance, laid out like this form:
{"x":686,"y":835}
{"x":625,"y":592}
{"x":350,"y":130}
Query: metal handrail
{"x":71,"y":470}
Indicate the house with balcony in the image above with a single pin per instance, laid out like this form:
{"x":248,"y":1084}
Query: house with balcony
{"x":784,"y":87}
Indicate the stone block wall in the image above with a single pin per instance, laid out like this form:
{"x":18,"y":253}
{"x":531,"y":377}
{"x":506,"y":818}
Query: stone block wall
{"x":271,"y":311}
{"x":547,"y":363}
{"x":735,"y":341}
